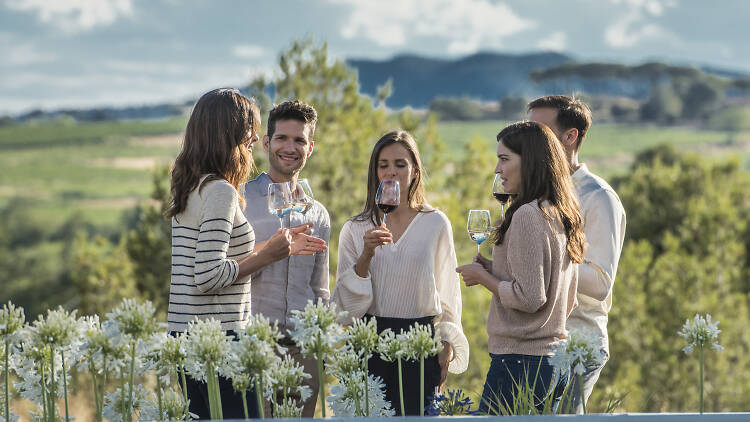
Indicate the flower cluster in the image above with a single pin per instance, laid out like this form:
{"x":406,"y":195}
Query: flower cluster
{"x":316,"y":329}
{"x":579,"y":351}
{"x":700,"y":332}
{"x":451,"y":403}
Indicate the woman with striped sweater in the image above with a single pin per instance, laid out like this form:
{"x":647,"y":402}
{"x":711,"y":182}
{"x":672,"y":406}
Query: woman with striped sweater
{"x":213,"y":245}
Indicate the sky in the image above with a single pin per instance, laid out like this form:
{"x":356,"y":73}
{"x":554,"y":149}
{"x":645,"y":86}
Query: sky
{"x":84,"y":53}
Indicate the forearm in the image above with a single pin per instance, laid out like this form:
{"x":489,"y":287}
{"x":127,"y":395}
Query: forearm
{"x":593,"y":281}
{"x":362,"y":267}
{"x":255,"y":262}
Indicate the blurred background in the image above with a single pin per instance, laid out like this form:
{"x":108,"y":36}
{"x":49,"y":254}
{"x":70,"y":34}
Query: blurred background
{"x":94,"y":96}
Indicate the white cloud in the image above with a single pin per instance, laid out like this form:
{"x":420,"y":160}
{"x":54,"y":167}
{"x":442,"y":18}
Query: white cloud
{"x":556,"y":41}
{"x":248,"y":51}
{"x":75,"y":15}
{"x":466,"y":26}
{"x":635,"y":25}
{"x":22,"y":53}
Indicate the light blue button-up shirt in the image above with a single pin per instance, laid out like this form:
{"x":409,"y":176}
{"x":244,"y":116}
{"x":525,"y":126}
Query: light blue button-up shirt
{"x":288,"y":284}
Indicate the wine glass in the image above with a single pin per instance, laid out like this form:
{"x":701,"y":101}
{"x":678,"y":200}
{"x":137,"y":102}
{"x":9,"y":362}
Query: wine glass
{"x":478,"y":226}
{"x":302,"y":196}
{"x":279,"y":200}
{"x":388,"y":196}
{"x":499,"y":193}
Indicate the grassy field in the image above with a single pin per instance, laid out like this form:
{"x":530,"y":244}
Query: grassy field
{"x":100,"y":170}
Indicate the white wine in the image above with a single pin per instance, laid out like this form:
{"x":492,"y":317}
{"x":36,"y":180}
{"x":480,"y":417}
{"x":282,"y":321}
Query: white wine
{"x":479,"y":237}
{"x":282,"y":211}
{"x":302,"y":207}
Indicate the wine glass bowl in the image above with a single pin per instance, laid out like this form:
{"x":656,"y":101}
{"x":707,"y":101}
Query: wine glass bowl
{"x":279,"y":200}
{"x":478,"y":225}
{"x":498,"y":191}
{"x":302,"y":196}
{"x":388,"y":196}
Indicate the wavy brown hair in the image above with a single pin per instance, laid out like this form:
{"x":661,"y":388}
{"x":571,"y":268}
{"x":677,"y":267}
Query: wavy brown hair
{"x":217,"y":139}
{"x":545,"y":175}
{"x":416,"y":187}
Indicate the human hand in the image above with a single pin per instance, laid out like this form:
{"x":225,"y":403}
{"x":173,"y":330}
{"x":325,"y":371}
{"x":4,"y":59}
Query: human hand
{"x":444,"y":359}
{"x":277,"y":246}
{"x":484,"y":262}
{"x":304,"y":244}
{"x":472,"y":274}
{"x":375,"y":237}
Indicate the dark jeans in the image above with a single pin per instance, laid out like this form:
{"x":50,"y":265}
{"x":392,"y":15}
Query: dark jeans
{"x":508,"y":372}
{"x":388,"y":371}
{"x":231,"y":401}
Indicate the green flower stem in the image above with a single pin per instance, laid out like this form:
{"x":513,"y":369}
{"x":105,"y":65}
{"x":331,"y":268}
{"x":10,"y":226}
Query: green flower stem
{"x":322,"y":390}
{"x":132,"y":378}
{"x":43,"y":378}
{"x":244,"y":403}
{"x":367,"y":390}
{"x":401,"y":387}
{"x":53,"y":389}
{"x":92,"y":370}
{"x":65,"y":385}
{"x":158,"y":396}
{"x":583,"y":395}
{"x":421,"y":386}
{"x":184,"y":389}
{"x":102,"y":387}
{"x":123,"y":403}
{"x":7,"y":391}
{"x":700,"y":358}
{"x":259,"y":395}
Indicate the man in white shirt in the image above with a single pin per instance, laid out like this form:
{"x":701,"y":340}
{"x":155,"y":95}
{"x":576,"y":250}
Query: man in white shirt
{"x":603,"y":224}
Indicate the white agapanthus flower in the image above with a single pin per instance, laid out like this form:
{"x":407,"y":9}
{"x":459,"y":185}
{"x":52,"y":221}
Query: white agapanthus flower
{"x":363,"y":336}
{"x":345,"y":361}
{"x":287,"y":409}
{"x":392,"y":347}
{"x":135,"y":319}
{"x":207,"y":346}
{"x":700,"y":332}
{"x":11,"y":321}
{"x":104,"y":347}
{"x":421,"y":342}
{"x":173,"y":408}
{"x":579,"y":351}
{"x":348,"y":396}
{"x":287,"y":377}
{"x":116,"y":403}
{"x":261,"y":327}
{"x":251,"y":357}
{"x":316,"y":330}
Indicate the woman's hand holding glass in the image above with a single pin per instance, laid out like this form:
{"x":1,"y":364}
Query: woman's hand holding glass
{"x":376,"y":236}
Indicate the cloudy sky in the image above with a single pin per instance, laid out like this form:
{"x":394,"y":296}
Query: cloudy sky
{"x":78,"y":53}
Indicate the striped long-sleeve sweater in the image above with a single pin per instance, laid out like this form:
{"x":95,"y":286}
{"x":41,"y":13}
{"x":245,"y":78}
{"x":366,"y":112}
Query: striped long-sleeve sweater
{"x":209,"y":238}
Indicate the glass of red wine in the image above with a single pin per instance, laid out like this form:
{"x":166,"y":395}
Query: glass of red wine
{"x":499,"y":193}
{"x":388,"y":196}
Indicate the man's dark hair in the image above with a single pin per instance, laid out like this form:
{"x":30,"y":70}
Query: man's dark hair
{"x":292,"y":110}
{"x":571,"y":113}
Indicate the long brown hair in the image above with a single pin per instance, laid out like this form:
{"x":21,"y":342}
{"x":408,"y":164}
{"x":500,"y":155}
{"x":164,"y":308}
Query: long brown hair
{"x":416,"y":187}
{"x":545,"y":175}
{"x":216,"y":143}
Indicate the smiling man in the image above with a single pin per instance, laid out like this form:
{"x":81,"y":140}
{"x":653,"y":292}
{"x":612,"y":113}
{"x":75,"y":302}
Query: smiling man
{"x":287,"y":285}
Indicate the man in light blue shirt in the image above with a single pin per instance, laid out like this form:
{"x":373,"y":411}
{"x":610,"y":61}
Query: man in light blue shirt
{"x":288,"y":284}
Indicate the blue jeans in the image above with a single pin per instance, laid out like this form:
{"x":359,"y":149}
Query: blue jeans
{"x":508,"y":372}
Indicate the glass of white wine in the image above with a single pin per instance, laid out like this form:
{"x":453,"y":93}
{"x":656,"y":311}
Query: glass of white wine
{"x":478,"y":226}
{"x":279,"y":200}
{"x":302,"y":196}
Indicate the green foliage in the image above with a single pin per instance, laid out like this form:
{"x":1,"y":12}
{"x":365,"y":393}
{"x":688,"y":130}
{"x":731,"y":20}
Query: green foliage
{"x":685,"y":253}
{"x":102,"y":274}
{"x":460,"y":109}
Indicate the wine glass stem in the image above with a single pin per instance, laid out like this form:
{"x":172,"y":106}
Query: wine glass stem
{"x":479,"y":250}
{"x":384,"y":216}
{"x":502,"y":209}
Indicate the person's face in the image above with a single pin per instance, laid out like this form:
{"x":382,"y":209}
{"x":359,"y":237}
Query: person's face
{"x":250,"y":140}
{"x":394,"y":163}
{"x":288,"y":148}
{"x":509,"y":168}
{"x":548,"y":116}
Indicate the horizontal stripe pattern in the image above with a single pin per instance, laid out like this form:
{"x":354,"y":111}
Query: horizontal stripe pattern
{"x":209,"y":238}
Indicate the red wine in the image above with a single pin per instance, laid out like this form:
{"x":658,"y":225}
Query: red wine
{"x":503,"y":198}
{"x":386,"y":208}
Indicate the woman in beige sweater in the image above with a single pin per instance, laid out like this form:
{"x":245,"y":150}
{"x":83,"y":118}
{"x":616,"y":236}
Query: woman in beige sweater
{"x":533,"y":275}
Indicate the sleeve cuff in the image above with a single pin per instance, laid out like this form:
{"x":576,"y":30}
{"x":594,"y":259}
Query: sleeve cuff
{"x":453,"y":334}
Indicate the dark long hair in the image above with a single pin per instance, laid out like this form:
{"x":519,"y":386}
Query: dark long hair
{"x":216,"y":143}
{"x":545,"y":175}
{"x":416,"y":187}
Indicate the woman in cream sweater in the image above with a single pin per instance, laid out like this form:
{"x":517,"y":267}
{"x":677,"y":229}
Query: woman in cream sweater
{"x":533,"y":274}
{"x":403,"y":272}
